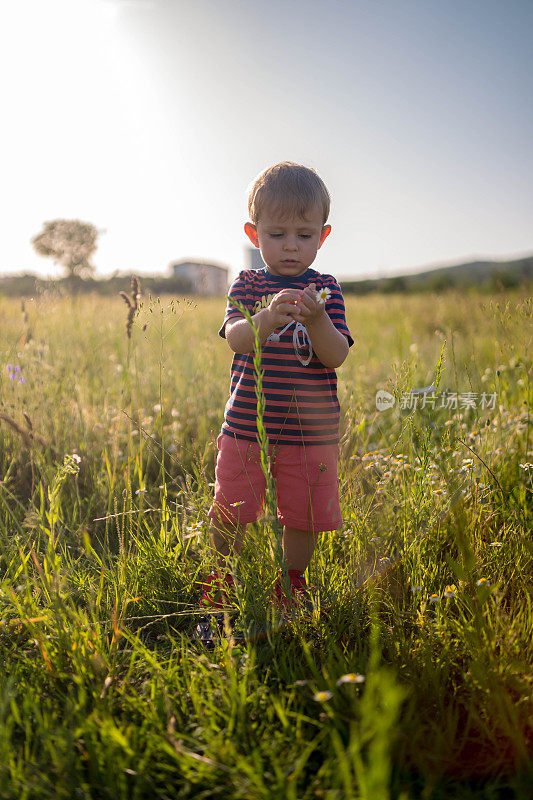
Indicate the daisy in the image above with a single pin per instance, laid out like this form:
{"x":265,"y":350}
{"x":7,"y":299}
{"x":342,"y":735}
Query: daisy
{"x":237,"y":503}
{"x":351,"y":677}
{"x":321,"y":697}
{"x":434,"y":598}
{"x":482,"y":582}
{"x":323,"y":294}
{"x":450,"y":591}
{"x":300,"y":683}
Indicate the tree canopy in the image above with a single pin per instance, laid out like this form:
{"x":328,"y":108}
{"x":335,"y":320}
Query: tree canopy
{"x":70,"y":242}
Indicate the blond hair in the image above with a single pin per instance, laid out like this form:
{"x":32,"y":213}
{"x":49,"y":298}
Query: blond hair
{"x":289,"y":190}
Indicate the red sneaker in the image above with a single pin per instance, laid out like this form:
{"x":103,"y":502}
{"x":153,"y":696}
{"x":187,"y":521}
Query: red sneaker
{"x":215,"y":594}
{"x":299,"y":590}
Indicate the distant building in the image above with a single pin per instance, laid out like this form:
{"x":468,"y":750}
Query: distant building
{"x":252,"y":258}
{"x":205,"y":278}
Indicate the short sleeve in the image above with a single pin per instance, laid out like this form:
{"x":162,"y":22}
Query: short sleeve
{"x":238,"y":291}
{"x":335,"y":306}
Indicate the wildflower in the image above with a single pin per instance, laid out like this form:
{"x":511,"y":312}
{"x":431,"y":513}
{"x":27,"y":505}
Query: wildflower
{"x":14,"y":373}
{"x":237,"y":503}
{"x":416,"y":589}
{"x":300,"y":683}
{"x":526,"y":466}
{"x":384,"y":560}
{"x":450,"y":591}
{"x":483,"y":582}
{"x":323,"y":294}
{"x":434,"y":598}
{"x":351,"y":677}
{"x":495,"y":544}
{"x":439,"y":492}
{"x":321,"y":697}
{"x":157,"y":408}
{"x":140,"y":491}
{"x":376,"y":539}
{"x":76,"y":458}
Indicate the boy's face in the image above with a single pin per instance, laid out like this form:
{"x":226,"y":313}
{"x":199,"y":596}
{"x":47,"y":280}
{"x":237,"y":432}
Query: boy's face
{"x":288,"y":246}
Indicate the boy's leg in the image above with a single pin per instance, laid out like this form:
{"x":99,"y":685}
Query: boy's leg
{"x":298,"y":547}
{"x":226,"y":540}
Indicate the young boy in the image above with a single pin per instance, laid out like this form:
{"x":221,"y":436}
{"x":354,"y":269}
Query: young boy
{"x":301,"y":321}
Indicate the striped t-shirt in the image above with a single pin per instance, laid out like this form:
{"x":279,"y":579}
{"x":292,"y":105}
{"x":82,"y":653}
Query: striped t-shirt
{"x":300,"y":392}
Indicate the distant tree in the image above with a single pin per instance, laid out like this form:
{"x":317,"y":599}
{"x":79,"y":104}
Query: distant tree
{"x":70,"y":242}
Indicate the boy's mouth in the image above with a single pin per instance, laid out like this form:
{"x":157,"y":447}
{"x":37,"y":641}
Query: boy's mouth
{"x":290,"y":261}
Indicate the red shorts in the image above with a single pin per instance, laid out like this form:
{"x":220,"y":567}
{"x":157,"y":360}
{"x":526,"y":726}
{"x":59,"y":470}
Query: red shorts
{"x":307,"y":484}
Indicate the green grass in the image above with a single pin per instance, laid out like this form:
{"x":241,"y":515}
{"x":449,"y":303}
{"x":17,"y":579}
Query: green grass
{"x":106,"y":460}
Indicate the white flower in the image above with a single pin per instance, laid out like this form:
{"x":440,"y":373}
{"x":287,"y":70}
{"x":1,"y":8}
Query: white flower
{"x":321,"y":697}
{"x":323,"y":294}
{"x":351,"y":677}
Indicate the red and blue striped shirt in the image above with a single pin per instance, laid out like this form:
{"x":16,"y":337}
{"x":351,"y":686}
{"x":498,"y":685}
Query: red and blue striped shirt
{"x":301,"y":405}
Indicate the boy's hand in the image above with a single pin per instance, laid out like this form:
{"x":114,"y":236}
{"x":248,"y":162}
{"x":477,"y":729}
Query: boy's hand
{"x":283,"y":307}
{"x":309,"y":308}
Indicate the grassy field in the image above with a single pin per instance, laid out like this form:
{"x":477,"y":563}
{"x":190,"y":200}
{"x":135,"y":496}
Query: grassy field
{"x":413,"y":677}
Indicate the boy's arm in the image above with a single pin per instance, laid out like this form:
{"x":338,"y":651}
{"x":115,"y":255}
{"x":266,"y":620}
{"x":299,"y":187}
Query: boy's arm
{"x":280,"y":311}
{"x":330,"y":345}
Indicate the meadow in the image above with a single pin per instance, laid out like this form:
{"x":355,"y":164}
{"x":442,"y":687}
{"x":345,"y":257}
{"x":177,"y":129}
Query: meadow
{"x":411,"y":679}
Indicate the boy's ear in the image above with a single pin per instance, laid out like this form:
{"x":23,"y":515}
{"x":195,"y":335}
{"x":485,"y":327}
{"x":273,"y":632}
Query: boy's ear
{"x":326,"y":230}
{"x":251,"y":232}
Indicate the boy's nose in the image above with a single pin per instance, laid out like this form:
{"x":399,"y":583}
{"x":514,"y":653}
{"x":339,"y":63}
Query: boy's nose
{"x":291,"y":244}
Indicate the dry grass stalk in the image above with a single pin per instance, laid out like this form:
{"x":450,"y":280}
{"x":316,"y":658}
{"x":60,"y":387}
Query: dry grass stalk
{"x":133,"y":303}
{"x":29,"y":437}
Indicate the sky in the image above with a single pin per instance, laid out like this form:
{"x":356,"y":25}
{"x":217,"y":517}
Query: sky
{"x":150,"y":118}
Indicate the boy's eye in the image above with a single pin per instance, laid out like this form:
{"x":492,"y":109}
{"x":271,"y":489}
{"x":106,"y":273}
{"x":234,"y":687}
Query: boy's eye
{"x":276,"y":235}
{"x":305,"y":236}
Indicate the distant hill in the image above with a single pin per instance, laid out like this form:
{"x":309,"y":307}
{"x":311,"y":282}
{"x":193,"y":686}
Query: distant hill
{"x":484,"y":275}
